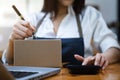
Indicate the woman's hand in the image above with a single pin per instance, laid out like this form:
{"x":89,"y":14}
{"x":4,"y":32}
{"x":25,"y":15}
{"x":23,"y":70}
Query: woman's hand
{"x":22,"y":30}
{"x":98,"y":59}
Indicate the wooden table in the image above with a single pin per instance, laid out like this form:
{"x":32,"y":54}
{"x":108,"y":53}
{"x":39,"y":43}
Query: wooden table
{"x":1,"y":54}
{"x":112,"y":72}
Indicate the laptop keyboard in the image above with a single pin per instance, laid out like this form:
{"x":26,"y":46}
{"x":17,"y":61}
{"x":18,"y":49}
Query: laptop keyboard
{"x":18,"y":74}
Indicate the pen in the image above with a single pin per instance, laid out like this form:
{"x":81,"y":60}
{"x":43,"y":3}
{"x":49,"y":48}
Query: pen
{"x":18,"y":13}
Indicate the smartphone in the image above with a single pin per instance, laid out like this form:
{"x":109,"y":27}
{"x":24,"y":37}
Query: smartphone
{"x":84,"y":69}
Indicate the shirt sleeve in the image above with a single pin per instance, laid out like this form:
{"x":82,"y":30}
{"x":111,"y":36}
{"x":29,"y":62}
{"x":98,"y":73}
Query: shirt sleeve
{"x":104,"y":38}
{"x":3,"y":57}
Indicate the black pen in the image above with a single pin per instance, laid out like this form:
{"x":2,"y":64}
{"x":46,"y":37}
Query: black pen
{"x":18,"y":12}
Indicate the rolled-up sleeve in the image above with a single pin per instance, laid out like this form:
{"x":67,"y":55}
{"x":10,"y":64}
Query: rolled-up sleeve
{"x":104,"y":37}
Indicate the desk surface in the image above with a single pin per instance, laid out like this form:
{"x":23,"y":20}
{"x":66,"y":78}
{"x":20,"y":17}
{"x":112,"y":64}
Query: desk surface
{"x":112,"y":72}
{"x":0,"y":54}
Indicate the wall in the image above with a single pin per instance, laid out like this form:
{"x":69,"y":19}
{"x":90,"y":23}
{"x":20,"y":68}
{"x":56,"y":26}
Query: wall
{"x":4,"y":36}
{"x":107,"y":7}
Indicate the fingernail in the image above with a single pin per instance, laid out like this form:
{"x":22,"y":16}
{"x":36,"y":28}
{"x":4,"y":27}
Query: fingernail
{"x":76,"y":55}
{"x":96,"y":63}
{"x":103,"y":68}
{"x":83,"y":64}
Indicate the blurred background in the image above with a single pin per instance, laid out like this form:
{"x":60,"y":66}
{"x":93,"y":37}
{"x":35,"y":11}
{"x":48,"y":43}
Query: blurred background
{"x":109,"y":9}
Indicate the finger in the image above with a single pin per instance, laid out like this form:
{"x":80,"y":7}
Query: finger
{"x":98,"y":59}
{"x":78,"y":57}
{"x":24,"y":29}
{"x":27,"y":24}
{"x":16,"y":37}
{"x":85,"y":62}
{"x":88,"y":60}
{"x":19,"y":32}
{"x":102,"y":61}
{"x":105,"y":64}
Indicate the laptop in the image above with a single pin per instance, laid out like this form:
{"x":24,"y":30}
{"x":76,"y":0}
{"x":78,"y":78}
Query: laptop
{"x":26,"y":73}
{"x":38,"y":53}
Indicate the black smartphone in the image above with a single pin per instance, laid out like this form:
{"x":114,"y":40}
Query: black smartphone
{"x":84,"y":69}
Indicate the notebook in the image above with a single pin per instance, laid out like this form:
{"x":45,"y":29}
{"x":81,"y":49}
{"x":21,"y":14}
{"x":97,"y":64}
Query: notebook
{"x":38,"y":53}
{"x":26,"y":73}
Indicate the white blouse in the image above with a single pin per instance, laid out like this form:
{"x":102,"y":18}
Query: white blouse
{"x":92,"y":24}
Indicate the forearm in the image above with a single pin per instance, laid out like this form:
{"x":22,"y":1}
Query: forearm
{"x":21,"y":30}
{"x":9,"y":52}
{"x":112,"y":55}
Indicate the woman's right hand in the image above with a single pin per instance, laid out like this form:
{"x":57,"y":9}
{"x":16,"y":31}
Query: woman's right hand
{"x":22,"y":30}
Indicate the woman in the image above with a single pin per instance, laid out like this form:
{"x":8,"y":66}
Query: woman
{"x":69,"y":19}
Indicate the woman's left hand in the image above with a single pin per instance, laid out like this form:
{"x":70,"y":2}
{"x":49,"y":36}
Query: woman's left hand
{"x":98,"y":59}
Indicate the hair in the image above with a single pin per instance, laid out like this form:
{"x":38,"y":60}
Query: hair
{"x":51,"y":6}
